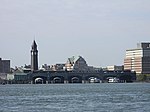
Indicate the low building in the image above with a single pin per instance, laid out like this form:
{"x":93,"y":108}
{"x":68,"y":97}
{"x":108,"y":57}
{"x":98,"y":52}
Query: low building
{"x":58,"y":67}
{"x":45,"y":67}
{"x":4,"y":69}
{"x":21,"y":78}
{"x":19,"y":75}
{"x":115,"y":68}
{"x":22,"y":69}
{"x":4,"y":66}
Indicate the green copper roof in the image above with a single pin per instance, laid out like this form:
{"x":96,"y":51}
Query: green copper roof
{"x":73,"y":59}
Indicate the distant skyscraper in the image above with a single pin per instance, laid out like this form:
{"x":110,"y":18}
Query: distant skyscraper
{"x":4,"y":66}
{"x":138,"y":59}
{"x":4,"y":69}
{"x":34,"y":57}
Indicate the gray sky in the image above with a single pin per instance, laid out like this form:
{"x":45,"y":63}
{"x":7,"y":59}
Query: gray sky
{"x":98,"y":30}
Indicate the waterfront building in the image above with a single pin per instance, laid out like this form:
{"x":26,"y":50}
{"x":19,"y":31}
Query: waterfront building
{"x":115,"y":68}
{"x":58,"y":67}
{"x":76,"y":64}
{"x":21,"y":78}
{"x":92,"y":68}
{"x":138,"y":59}
{"x":76,"y":70}
{"x":22,"y":69}
{"x":4,"y":66}
{"x":19,"y":75}
{"x":17,"y":78}
{"x":34,"y":57}
{"x":45,"y":67}
{"x":4,"y":69}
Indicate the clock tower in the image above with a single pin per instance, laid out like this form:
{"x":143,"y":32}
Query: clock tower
{"x":34,"y":57}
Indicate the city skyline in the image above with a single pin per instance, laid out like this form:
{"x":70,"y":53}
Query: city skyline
{"x":100,"y":31}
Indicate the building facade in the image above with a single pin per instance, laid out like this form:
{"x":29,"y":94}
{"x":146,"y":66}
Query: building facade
{"x":115,"y":68}
{"x":76,"y":64}
{"x":4,"y":66}
{"x":4,"y":69}
{"x":138,"y":59}
{"x":57,"y":67}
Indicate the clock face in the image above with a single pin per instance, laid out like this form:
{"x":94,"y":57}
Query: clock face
{"x":34,"y":53}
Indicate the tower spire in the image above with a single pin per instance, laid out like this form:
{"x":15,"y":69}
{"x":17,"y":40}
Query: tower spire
{"x":34,"y":45}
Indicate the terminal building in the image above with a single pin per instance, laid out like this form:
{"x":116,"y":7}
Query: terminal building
{"x":75,"y":70}
{"x":76,"y":64}
{"x":138,"y":59}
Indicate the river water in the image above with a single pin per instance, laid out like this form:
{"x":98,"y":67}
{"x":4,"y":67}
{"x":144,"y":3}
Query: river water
{"x":103,"y":97}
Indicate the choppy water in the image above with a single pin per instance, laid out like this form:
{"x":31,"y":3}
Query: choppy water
{"x":134,"y":97}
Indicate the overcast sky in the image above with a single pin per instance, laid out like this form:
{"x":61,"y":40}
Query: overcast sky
{"x":98,"y":30}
